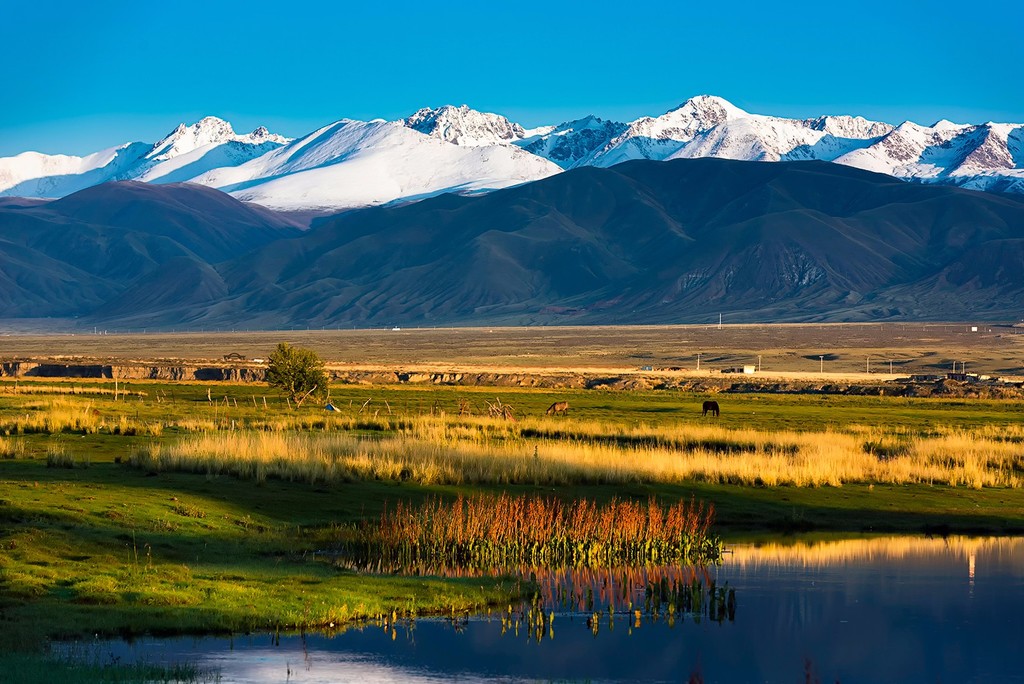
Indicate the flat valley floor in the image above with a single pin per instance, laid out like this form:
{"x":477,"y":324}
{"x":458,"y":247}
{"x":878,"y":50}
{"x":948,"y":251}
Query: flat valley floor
{"x":855,"y":351}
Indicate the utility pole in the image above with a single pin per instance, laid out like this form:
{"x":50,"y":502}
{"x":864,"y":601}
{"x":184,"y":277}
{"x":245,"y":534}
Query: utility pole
{"x":698,"y":360}
{"x":758,"y":363}
{"x":821,"y":363}
{"x":719,"y":321}
{"x":867,"y":365}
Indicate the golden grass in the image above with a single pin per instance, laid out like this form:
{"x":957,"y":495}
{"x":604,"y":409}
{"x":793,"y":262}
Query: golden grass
{"x":54,"y":416}
{"x":12,"y":448}
{"x":447,"y":450}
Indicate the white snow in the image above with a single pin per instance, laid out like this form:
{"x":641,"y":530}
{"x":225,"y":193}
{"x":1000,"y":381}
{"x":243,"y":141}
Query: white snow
{"x":358,"y":163}
{"x":458,"y":149}
{"x":465,"y":126}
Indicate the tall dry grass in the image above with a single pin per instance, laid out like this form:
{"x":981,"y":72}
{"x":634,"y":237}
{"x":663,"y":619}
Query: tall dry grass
{"x":12,"y":448}
{"x":54,"y":416}
{"x":482,"y":451}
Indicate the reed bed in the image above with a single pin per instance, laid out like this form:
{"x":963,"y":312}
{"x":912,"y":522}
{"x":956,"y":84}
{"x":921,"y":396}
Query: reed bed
{"x":481,"y":452}
{"x":504,"y":531}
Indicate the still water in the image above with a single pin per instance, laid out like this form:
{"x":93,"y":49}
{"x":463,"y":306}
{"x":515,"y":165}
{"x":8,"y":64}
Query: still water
{"x":868,"y":610}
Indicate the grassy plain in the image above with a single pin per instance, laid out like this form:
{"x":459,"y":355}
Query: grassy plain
{"x":153,"y":512}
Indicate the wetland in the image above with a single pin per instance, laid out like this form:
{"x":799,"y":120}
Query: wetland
{"x":149,"y":518}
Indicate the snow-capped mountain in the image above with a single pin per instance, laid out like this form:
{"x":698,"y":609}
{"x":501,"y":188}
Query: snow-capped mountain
{"x":183,"y":154}
{"x":32,"y":174}
{"x":357,"y":163}
{"x":457,"y":149}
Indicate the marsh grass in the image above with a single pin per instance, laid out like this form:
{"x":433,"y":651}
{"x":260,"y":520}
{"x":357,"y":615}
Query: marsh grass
{"x":59,"y":456}
{"x":477,"y":451}
{"x":12,"y":448}
{"x":67,"y":415}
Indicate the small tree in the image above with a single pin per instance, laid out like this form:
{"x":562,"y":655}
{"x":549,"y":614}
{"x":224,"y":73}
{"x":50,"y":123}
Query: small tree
{"x":298,"y":372}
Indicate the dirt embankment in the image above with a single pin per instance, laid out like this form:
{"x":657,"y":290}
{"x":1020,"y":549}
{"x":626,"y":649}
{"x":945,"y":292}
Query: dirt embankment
{"x":590,"y":379}
{"x":140,"y":371}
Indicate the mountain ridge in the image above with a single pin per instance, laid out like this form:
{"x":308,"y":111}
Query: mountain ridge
{"x":459,"y":149}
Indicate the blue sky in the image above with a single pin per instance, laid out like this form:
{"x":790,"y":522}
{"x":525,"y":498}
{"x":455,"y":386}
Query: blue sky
{"x":81,"y":76}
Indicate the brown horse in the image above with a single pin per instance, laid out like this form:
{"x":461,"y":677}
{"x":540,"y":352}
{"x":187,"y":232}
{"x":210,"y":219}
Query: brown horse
{"x":557,"y":407}
{"x":710,"y":407}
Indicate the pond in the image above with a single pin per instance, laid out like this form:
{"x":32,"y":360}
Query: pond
{"x":880,"y":610}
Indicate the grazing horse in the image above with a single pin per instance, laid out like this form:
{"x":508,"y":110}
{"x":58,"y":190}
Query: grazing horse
{"x":710,"y":407}
{"x":557,"y":407}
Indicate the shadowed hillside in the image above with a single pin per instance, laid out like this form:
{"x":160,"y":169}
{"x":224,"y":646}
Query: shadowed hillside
{"x":641,"y":242}
{"x":72,"y":256}
{"x":652,"y":242}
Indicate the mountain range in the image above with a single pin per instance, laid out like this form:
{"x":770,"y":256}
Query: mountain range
{"x":350,"y":164}
{"x":675,"y":241}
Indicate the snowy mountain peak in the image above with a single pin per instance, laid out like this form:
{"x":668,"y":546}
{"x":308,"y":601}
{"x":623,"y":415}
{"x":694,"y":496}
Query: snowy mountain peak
{"x":465,"y":126}
{"x":662,"y":136}
{"x":262,"y":135}
{"x":209,"y":130}
{"x":946,"y":125}
{"x":856,"y":127}
{"x":708,"y":110}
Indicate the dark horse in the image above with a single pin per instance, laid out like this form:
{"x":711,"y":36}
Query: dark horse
{"x":710,"y":407}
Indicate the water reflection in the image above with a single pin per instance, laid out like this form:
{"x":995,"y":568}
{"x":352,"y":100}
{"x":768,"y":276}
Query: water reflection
{"x":878,"y":610}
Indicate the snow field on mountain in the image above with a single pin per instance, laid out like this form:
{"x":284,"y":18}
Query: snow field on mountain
{"x":457,"y":149}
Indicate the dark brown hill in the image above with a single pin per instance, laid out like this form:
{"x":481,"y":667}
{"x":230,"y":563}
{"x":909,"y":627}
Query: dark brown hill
{"x":73,"y":255}
{"x":641,"y":242}
{"x":652,"y":242}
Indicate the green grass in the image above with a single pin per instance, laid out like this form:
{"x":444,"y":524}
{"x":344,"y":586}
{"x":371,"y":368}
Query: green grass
{"x":113,"y":550}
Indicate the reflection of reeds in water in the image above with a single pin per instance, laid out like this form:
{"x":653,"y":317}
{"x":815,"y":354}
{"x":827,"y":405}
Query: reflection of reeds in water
{"x":474,"y":450}
{"x":1009,"y":550}
{"x":633,"y":593}
{"x":500,"y":531}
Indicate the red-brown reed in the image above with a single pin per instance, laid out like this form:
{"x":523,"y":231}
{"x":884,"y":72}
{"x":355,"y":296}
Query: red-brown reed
{"x":504,"y":530}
